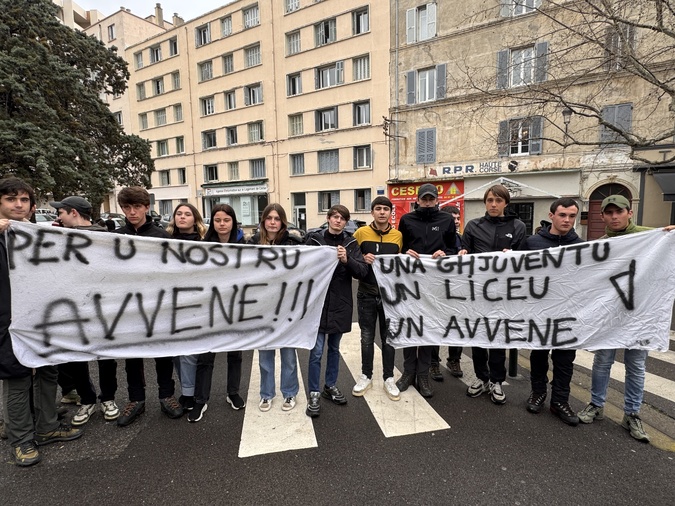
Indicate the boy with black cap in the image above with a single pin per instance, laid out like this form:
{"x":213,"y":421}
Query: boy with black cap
{"x":379,"y":238}
{"x":75,"y":212}
{"x":617,"y":216}
{"x":425,"y":231}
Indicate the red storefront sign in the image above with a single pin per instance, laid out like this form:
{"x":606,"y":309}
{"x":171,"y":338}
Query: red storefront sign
{"x":404,"y":196}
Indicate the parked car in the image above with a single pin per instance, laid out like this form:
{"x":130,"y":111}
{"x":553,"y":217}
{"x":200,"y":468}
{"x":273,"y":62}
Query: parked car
{"x":44,"y":220}
{"x":159,"y":219}
{"x":105,"y":216}
{"x":294,"y":229}
{"x":351,"y":226}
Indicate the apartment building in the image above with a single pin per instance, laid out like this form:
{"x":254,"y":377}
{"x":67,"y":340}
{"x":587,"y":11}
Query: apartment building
{"x":258,"y":102}
{"x":458,"y":117}
{"x":76,"y":17}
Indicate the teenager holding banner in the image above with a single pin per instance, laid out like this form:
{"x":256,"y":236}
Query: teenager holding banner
{"x":135,"y":204}
{"x":617,"y":216}
{"x":496,"y":231}
{"x":560,"y":232}
{"x":336,"y":317}
{"x":186,"y":224}
{"x":223,"y":228}
{"x":75,"y":212}
{"x":379,"y":238}
{"x":273,"y":230}
{"x":425,"y":231}
{"x":17,"y":200}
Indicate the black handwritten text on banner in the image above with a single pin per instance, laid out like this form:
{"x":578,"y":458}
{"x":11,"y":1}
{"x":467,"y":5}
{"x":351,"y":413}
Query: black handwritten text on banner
{"x":615,"y":293}
{"x":79,"y":295}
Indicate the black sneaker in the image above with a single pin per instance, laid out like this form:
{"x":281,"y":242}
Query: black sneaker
{"x":565,"y":412}
{"x":405,"y":381}
{"x":130,"y":412}
{"x":423,"y":386}
{"x":26,"y":454}
{"x":187,"y":401}
{"x":333,"y":393}
{"x":435,"y":373}
{"x":455,"y":368}
{"x":170,"y":407}
{"x":63,"y":432}
{"x":535,"y":401}
{"x":235,"y":401}
{"x":198,"y":412}
{"x":313,"y":405}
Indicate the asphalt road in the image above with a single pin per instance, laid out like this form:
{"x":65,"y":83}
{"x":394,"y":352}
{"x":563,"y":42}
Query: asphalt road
{"x":489,"y":455}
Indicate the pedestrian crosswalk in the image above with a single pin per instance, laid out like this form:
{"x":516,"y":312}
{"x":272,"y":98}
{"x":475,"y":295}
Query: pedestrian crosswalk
{"x":277,"y":431}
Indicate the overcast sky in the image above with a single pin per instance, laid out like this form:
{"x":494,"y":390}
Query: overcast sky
{"x":143,"y":8}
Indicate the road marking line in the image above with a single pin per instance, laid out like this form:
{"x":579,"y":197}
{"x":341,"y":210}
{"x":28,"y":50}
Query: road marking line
{"x":412,"y":414}
{"x":275,"y":430}
{"x":654,"y":384}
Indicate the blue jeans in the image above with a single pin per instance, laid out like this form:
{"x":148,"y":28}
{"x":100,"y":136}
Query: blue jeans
{"x":289,"y":373}
{"x":187,"y":371}
{"x":370,"y":313}
{"x":332,"y":360}
{"x":635,"y":362}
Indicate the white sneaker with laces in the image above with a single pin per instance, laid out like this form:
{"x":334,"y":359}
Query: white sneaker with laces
{"x":289,"y":403}
{"x":110,"y":410}
{"x":477,"y":388}
{"x":392,"y":390}
{"x":265,"y":404}
{"x":83,"y":414}
{"x":362,"y":385}
{"x":497,"y":395}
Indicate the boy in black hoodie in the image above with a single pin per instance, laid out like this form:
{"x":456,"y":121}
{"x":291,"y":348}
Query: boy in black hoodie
{"x":135,"y":203}
{"x":560,"y":232}
{"x":495,"y":231}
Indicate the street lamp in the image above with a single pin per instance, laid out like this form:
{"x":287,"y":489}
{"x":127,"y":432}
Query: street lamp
{"x":567,"y":116}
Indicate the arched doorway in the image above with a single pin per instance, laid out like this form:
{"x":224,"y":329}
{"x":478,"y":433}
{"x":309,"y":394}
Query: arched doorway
{"x":596,"y":227}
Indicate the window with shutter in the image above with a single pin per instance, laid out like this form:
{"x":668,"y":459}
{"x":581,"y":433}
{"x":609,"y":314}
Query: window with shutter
{"x":426,"y":146}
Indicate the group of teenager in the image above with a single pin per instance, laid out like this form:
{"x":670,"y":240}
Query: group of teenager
{"x":30,"y":414}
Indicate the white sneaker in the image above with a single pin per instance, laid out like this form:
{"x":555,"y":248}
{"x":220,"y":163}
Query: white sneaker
{"x":83,"y":414}
{"x":392,"y":390}
{"x":265,"y":404}
{"x":362,"y":385}
{"x":289,"y":403}
{"x":110,"y":410}
{"x":497,"y":395}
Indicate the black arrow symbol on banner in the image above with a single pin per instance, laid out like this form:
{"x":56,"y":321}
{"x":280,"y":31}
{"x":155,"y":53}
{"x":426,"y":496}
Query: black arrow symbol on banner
{"x":627,"y":299}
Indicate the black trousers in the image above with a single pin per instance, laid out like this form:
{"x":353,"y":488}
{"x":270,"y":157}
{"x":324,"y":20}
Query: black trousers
{"x":76,"y":374}
{"x":563,"y":368}
{"x":489,"y":364}
{"x":417,"y":359}
{"x":205,"y":375}
{"x":454,"y":354}
{"x":136,"y":378}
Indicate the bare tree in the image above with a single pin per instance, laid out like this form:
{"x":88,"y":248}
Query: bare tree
{"x":609,"y":65}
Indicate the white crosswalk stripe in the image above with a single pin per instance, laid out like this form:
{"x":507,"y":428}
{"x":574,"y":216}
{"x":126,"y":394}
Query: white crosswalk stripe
{"x":274,"y":430}
{"x":412,"y":414}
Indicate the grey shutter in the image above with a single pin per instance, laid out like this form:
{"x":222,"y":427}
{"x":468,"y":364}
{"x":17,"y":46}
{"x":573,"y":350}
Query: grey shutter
{"x":316,"y":78}
{"x":431,"y":145}
{"x":410,"y":17}
{"x":541,"y":52}
{"x":624,"y":117}
{"x":411,"y":87}
{"x":440,"y":81}
{"x":431,"y":20}
{"x":536,"y":130}
{"x":299,"y":83}
{"x":340,"y":72}
{"x":503,"y":69}
{"x":503,"y":139}
{"x":261,"y":93}
{"x":421,"y":146}
{"x":317,"y":121}
{"x":336,"y":117}
{"x":505,"y":8}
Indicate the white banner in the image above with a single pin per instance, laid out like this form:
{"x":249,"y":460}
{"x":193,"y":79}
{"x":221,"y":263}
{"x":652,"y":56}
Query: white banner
{"x":615,"y":293}
{"x":80,"y":295}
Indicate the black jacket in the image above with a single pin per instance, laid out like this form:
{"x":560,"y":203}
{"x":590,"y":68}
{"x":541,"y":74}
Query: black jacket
{"x":427,"y":230}
{"x":193,"y":236}
{"x":148,"y":229}
{"x":9,"y":365}
{"x":545,"y":239}
{"x":493,"y":234}
{"x":336,"y":317}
